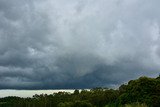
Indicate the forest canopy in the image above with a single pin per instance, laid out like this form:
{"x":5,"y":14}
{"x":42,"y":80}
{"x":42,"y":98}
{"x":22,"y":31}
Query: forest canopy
{"x":143,"y":91}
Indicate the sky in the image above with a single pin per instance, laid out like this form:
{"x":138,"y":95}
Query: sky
{"x":29,"y":93}
{"x":75,"y":44}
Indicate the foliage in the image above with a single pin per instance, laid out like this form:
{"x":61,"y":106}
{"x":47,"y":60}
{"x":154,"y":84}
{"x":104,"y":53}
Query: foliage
{"x":135,"y":105}
{"x":141,"y":92}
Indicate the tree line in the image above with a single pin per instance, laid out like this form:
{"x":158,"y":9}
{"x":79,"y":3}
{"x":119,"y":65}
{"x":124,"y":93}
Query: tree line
{"x":143,"y":91}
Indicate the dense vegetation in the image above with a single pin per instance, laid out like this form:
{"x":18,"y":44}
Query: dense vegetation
{"x":143,"y":92}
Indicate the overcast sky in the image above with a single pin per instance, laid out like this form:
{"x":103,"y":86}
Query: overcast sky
{"x":66,"y":44}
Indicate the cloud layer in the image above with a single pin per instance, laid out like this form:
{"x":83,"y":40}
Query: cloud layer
{"x":56,"y":44}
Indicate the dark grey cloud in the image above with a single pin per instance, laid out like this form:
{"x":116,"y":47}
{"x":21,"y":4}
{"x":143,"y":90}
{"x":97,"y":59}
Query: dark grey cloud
{"x":77,"y":44}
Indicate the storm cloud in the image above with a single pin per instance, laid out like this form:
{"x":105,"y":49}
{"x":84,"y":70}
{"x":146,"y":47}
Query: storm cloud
{"x":60,"y":44}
